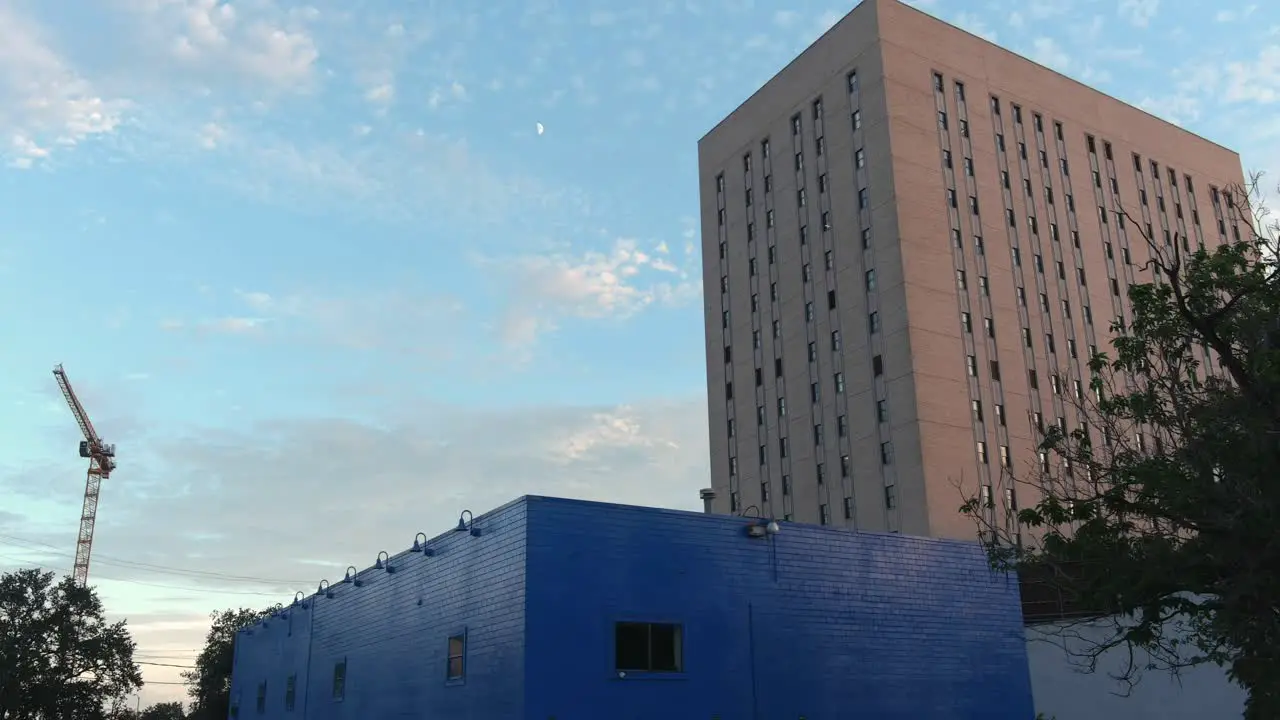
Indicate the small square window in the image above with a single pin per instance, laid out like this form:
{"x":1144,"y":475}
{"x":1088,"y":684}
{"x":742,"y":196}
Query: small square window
{"x":648,"y":647}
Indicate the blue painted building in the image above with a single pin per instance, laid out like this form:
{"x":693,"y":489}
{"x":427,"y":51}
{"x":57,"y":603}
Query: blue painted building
{"x":549,"y":609}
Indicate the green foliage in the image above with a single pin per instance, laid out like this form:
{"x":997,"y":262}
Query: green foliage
{"x":58,"y":657}
{"x":1162,"y":505}
{"x":209,"y":684}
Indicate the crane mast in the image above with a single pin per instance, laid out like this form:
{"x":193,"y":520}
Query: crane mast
{"x":102,"y":460}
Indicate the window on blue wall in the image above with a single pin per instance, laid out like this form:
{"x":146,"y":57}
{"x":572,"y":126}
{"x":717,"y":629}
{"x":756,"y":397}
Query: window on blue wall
{"x":648,"y":647}
{"x":457,"y":654}
{"x":340,"y":679}
{"x":290,"y":692}
{"x":262,"y":697}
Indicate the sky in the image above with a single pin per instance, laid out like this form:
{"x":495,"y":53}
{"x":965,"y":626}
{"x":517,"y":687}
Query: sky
{"x":330,"y":272}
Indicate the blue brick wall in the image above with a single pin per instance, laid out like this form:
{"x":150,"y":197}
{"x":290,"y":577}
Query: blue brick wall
{"x":393,"y":632}
{"x":816,"y":623}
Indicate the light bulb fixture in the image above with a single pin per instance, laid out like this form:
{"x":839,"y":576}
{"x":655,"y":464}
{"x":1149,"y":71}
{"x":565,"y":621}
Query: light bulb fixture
{"x":421,"y":545}
{"x":384,"y":562}
{"x":352,"y":576}
{"x":467,"y":523}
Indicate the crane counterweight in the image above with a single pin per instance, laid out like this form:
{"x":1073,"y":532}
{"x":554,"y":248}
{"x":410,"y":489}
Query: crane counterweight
{"x":102,"y":461}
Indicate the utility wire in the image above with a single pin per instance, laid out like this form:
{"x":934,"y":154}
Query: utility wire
{"x":201,"y":591}
{"x":109,"y":560}
{"x":155,"y":664}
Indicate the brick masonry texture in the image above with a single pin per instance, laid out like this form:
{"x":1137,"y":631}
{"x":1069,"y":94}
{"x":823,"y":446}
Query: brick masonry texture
{"x":816,"y":623}
{"x":984,"y":310}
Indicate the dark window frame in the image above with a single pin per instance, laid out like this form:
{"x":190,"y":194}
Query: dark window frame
{"x":628,"y":635}
{"x":455,"y":661}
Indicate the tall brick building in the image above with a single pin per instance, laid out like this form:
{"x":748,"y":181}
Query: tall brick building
{"x":910,"y":250}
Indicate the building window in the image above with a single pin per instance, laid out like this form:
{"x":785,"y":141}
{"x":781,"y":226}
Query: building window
{"x":982,"y":452}
{"x":848,"y":508}
{"x":457,"y":652}
{"x":886,"y":453}
{"x":890,"y":497}
{"x":648,"y":647}
{"x":340,"y":680}
{"x":824,"y":514}
{"x":290,"y":692}
{"x":262,"y":697}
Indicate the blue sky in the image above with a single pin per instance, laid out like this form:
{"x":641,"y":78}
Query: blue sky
{"x":314,"y":269}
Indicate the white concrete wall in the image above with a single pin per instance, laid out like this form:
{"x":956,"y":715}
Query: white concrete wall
{"x":1063,"y":692}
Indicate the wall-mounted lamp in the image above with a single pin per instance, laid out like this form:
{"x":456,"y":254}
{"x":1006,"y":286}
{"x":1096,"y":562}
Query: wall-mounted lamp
{"x":383,"y":562}
{"x":467,"y":523}
{"x":300,"y":599}
{"x":324,"y":589}
{"x":421,"y":545}
{"x":763,"y":529}
{"x":746,"y":511}
{"x":352,"y":576}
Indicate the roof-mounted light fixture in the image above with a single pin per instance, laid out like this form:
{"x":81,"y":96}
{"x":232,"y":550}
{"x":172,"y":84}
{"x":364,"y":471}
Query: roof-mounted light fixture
{"x":421,"y":545}
{"x":467,"y":523}
{"x":383,"y":562}
{"x":353,"y":576}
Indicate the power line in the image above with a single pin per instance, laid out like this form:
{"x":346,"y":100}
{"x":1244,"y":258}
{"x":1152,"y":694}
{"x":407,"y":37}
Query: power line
{"x":202,"y":591}
{"x":109,"y":560}
{"x":156,"y":664}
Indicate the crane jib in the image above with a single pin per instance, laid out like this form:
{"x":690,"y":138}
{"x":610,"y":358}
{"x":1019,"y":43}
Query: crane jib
{"x":101,"y":458}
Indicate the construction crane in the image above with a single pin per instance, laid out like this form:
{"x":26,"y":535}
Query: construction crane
{"x":102,"y":460}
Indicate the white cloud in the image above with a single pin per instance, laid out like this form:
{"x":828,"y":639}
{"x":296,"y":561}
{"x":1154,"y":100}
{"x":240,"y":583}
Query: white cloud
{"x":596,"y":285}
{"x":1047,"y":52}
{"x":976,"y":25}
{"x":44,"y":102}
{"x":1226,"y":16}
{"x":381,"y":94}
{"x":1138,"y":12}
{"x":1177,"y":109}
{"x":211,"y":135}
{"x":1255,"y":81}
{"x":214,"y":37}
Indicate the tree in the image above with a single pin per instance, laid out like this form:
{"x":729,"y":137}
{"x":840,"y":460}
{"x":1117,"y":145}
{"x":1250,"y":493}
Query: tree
{"x":58,"y":657}
{"x":164,"y":711}
{"x":1160,"y":509}
{"x":209,"y":684}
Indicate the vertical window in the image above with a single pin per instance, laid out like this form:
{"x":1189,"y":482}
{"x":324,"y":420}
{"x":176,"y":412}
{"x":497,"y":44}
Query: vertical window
{"x":262,"y":697}
{"x":886,"y":453}
{"x":457,"y":652}
{"x":890,"y":497}
{"x":648,"y":647}
{"x":290,"y":692}
{"x":340,"y":680}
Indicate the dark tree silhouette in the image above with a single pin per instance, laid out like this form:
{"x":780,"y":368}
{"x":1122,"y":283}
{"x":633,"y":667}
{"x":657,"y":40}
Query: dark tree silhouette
{"x":59,"y":659}
{"x":1157,"y":511}
{"x":209,"y":684}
